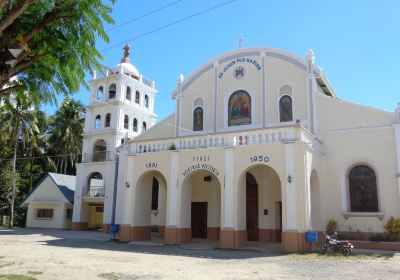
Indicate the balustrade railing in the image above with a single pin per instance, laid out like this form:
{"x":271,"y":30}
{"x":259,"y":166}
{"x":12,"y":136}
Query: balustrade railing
{"x":98,"y":156}
{"x":230,"y":139}
{"x":96,"y":192}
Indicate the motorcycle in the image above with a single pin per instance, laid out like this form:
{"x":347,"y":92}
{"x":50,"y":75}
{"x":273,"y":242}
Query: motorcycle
{"x":332,"y":242}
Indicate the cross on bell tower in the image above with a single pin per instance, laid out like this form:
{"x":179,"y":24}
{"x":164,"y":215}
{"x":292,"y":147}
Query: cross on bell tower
{"x":240,"y":41}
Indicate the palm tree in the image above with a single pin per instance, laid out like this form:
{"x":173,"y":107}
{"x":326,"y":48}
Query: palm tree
{"x":18,"y":124}
{"x":66,"y":133}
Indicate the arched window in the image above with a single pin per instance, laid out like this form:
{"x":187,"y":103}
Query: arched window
{"x":97,"y":122}
{"x":285,"y":109}
{"x":128,"y":93}
{"x":198,"y":119}
{"x":100,"y":95}
{"x":108,"y":120}
{"x":137,"y":97}
{"x":112,"y":91}
{"x":135,"y":124}
{"x":99,"y":150}
{"x":126,"y":122}
{"x":96,"y":185}
{"x":363,"y":189}
{"x":239,"y":108}
{"x":146,"y":101}
{"x":144,"y":127}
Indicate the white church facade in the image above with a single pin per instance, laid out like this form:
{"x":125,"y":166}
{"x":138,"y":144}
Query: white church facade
{"x":259,"y":148}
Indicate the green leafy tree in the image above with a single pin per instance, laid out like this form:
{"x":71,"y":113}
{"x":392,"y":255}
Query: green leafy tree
{"x":49,"y":45}
{"x":66,"y":133}
{"x":18,"y":124}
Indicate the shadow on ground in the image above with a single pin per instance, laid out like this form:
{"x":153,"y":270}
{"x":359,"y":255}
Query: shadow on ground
{"x":98,"y":241}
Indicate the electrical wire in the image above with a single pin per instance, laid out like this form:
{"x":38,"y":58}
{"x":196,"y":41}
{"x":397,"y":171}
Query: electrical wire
{"x":168,"y":25}
{"x":142,"y":16}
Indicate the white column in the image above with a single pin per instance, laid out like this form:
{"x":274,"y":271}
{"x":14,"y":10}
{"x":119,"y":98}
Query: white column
{"x":311,"y":91}
{"x":263,"y":88}
{"x":121,"y":188}
{"x":290,"y":192}
{"x":127,"y":204}
{"x":172,"y":192}
{"x":178,"y":111}
{"x":397,"y":136}
{"x":228,"y":190}
{"x":77,"y":215}
{"x":109,"y":185}
{"x":215,"y":97}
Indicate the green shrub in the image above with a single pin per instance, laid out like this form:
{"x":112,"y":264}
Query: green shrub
{"x":392,"y":228}
{"x":331,"y":226}
{"x":172,"y":147}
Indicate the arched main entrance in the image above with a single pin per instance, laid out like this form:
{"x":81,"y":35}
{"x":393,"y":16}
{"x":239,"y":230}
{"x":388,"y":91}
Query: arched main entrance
{"x":200,"y":211}
{"x":150,"y":202}
{"x":260,"y":204}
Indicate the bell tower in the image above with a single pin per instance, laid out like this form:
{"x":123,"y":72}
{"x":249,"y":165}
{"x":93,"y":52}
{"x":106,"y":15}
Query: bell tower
{"x":121,"y":106}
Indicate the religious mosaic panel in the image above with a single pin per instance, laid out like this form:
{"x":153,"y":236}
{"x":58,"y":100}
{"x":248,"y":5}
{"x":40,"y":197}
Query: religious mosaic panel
{"x":285,"y":109}
{"x":198,"y":119}
{"x":239,"y":108}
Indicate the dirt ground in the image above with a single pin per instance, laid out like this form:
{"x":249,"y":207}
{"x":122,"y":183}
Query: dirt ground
{"x":51,"y":254}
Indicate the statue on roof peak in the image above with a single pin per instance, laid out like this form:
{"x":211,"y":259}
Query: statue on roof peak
{"x":127,"y":50}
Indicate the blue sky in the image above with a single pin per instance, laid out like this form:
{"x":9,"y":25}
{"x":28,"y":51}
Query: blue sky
{"x":356,"y":42}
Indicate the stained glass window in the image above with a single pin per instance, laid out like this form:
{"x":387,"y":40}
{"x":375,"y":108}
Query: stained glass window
{"x":198,"y":119}
{"x":285,"y":109}
{"x":363,"y":189}
{"x":239,"y":108}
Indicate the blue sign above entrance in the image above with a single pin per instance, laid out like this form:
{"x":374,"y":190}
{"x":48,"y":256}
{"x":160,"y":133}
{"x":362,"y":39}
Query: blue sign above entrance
{"x":240,"y":60}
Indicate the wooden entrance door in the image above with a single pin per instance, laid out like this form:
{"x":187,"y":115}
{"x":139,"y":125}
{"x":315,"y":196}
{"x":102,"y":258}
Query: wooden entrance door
{"x":199,"y":219}
{"x":251,"y":208}
{"x":278,"y":217}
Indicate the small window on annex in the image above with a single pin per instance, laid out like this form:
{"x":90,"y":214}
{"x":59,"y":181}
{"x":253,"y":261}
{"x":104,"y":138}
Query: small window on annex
{"x":135,"y":124}
{"x":239,"y":108}
{"x":100,"y":94}
{"x":44,"y":213}
{"x":126,"y":122}
{"x":137,"y":97}
{"x":144,"y":127}
{"x":154,"y":194}
{"x":112,"y":91}
{"x":128,"y":93}
{"x":68,"y":214}
{"x":97,"y":122}
{"x":108,"y":120}
{"x":363,"y":189}
{"x":198,"y":119}
{"x":146,"y":101}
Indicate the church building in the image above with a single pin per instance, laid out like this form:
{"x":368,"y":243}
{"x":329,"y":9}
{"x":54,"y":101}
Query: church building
{"x":259,"y":148}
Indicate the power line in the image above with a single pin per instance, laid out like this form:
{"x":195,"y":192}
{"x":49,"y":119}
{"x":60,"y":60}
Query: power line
{"x":143,"y":16}
{"x":168,"y":25}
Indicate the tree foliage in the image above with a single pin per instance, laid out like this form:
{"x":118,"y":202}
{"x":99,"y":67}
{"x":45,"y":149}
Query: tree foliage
{"x":36,"y":154}
{"x":57,"y":39}
{"x":66,"y":131}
